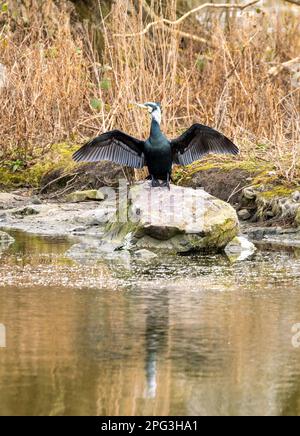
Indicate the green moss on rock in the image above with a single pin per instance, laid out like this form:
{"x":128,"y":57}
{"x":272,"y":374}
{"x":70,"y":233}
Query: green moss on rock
{"x":180,"y":220}
{"x":59,"y":156}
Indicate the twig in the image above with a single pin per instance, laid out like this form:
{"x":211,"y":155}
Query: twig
{"x":58,"y":179}
{"x":190,"y":36}
{"x":155,"y":17}
{"x":237,"y":190}
{"x":185,"y":16}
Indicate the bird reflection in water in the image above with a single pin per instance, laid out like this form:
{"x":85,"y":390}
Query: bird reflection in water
{"x":156,"y":338}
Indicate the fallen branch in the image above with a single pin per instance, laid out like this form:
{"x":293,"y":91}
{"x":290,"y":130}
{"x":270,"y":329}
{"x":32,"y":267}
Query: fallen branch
{"x":162,"y":21}
{"x":58,"y":179}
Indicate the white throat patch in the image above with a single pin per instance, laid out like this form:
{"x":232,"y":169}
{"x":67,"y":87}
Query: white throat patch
{"x":156,"y":115}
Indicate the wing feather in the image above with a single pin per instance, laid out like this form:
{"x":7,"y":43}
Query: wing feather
{"x":115,"y":146}
{"x":198,"y":141}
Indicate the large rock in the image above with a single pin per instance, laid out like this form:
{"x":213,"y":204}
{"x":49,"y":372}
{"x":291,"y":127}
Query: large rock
{"x":179,"y":220}
{"x":9,"y":201}
{"x":80,"y":196}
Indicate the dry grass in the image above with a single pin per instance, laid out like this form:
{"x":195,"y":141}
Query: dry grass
{"x":59,"y":90}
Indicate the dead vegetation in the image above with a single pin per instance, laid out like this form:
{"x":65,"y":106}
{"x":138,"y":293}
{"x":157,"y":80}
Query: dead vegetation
{"x":213,"y":67}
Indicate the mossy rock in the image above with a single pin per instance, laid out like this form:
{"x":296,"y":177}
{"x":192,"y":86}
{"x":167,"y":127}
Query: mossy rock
{"x":30,"y":175}
{"x":180,"y":220}
{"x":80,"y":196}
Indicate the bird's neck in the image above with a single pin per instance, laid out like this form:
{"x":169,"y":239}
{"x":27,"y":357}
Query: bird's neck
{"x":155,"y":124}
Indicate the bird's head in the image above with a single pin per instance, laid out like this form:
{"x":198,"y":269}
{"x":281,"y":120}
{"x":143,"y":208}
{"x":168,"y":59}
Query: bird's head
{"x":154,"y":110}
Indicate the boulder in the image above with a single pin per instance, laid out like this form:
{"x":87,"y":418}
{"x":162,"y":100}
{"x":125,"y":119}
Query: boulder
{"x":90,"y":195}
{"x":179,"y":220}
{"x":9,"y":201}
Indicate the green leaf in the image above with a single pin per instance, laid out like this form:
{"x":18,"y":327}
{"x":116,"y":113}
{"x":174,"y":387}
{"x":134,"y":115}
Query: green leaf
{"x":105,"y":84}
{"x":4,"y":8}
{"x":96,"y":104}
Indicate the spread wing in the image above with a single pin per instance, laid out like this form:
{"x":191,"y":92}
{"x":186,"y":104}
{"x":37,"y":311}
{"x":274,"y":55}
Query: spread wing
{"x":198,"y":141}
{"x":114,"y":146}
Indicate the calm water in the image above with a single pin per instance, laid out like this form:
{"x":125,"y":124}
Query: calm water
{"x":178,"y":336}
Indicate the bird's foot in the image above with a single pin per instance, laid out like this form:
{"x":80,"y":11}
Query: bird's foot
{"x":166,"y":184}
{"x":155,"y":183}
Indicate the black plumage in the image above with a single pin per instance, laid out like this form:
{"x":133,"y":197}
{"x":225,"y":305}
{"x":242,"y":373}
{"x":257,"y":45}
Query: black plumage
{"x":157,"y":152}
{"x":198,"y":141}
{"x":114,"y":146}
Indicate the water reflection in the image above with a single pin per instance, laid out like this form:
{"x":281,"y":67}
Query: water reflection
{"x":179,"y":336}
{"x":156,"y":337}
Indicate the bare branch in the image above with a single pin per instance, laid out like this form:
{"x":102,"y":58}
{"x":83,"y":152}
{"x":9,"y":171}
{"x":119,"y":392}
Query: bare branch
{"x":155,"y":18}
{"x":163,"y":21}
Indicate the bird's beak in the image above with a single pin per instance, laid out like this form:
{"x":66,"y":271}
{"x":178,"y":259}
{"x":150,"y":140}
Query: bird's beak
{"x":139,"y":105}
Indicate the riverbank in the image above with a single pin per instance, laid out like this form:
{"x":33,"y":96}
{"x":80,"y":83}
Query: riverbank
{"x":30,"y":213}
{"x":255,"y":187}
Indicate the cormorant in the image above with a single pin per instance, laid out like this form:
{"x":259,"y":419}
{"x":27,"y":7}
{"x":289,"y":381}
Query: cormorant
{"x":157,"y":152}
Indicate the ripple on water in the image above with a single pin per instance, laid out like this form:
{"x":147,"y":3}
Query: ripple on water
{"x":45,"y":262}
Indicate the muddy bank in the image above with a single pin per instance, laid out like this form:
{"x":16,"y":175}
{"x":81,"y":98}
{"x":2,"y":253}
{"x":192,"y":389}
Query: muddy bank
{"x":258,"y":193}
{"x":261,"y":198}
{"x":89,"y":219}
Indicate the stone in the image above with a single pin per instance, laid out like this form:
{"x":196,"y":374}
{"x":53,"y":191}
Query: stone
{"x":244,"y":214}
{"x":5,"y":241}
{"x":296,"y":196}
{"x":6,"y":238}
{"x":179,"y":220}
{"x":9,"y":201}
{"x":249,"y":193}
{"x":145,"y":255}
{"x":26,"y":211}
{"x":36,"y":201}
{"x":240,"y":248}
{"x":90,"y":195}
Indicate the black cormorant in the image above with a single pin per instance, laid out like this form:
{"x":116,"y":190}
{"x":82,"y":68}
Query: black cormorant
{"x":157,"y":152}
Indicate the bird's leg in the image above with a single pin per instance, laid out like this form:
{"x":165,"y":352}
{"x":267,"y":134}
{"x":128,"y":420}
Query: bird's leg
{"x":154,"y":182}
{"x":167,"y":182}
